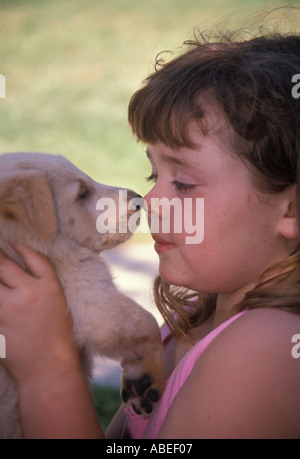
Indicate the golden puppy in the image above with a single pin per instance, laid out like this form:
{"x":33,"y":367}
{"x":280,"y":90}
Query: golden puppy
{"x":48,"y":204}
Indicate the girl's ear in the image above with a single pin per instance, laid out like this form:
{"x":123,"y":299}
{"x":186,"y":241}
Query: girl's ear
{"x":288,"y":226}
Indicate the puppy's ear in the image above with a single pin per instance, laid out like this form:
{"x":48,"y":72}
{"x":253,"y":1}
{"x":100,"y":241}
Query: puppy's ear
{"x":25,"y":196}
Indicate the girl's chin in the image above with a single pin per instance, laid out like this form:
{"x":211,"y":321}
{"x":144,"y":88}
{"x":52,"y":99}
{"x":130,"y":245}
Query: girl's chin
{"x":171,"y":273}
{"x":168,"y":275}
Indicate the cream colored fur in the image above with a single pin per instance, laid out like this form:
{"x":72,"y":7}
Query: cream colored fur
{"x":50,"y":205}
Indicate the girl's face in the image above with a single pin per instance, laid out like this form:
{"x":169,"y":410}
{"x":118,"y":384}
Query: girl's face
{"x":240,"y":223}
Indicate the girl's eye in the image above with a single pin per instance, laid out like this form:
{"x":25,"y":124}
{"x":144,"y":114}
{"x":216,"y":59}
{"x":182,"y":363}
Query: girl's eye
{"x":152,"y":178}
{"x":178,"y":185}
{"x":182,"y":186}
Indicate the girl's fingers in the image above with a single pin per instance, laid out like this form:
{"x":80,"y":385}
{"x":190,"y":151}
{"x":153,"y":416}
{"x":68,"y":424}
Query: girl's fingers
{"x":11,"y":274}
{"x":37,"y":264}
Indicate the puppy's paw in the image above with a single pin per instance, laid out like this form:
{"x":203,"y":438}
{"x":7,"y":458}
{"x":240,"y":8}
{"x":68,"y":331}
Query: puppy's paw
{"x":143,"y":383}
{"x":140,"y":394}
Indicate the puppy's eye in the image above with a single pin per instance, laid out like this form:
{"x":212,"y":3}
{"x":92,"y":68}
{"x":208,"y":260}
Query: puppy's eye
{"x":84,"y":192}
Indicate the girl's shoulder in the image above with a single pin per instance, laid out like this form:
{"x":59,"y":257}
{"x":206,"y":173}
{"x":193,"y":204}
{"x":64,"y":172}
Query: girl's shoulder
{"x":267,"y":338}
{"x":271,"y":333}
{"x":246,"y":382}
{"x":267,"y":335}
{"x":265,"y":325}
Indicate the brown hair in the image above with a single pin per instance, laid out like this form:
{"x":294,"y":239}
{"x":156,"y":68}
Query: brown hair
{"x":251,"y":81}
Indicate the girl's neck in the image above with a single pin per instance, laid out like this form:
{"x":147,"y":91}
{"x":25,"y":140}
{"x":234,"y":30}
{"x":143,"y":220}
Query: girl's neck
{"x":226,"y":303}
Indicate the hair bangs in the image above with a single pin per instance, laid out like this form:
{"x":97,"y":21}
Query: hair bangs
{"x":162,"y":110}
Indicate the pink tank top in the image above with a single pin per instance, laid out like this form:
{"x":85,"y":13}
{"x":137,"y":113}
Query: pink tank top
{"x":149,"y":428}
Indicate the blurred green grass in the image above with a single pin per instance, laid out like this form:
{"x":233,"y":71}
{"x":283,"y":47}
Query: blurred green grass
{"x":71,"y":67}
{"x":107,"y":401}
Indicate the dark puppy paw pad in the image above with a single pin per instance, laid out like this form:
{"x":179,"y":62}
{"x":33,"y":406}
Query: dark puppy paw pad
{"x":140,"y":394}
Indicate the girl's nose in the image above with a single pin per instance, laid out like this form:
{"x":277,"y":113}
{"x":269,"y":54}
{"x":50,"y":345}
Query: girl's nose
{"x":151,"y":199}
{"x":158,"y":208}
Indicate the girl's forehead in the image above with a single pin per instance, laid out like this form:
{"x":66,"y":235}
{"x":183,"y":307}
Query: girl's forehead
{"x":212,"y":141}
{"x":184,"y":158}
{"x":212,"y":129}
{"x":209,"y":154}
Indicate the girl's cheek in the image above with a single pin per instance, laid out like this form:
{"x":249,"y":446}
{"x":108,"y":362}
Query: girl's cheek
{"x":188,"y":221}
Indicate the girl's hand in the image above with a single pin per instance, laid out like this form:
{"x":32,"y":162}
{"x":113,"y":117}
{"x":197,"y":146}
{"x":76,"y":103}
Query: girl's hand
{"x":34,"y":318}
{"x":53,"y":397}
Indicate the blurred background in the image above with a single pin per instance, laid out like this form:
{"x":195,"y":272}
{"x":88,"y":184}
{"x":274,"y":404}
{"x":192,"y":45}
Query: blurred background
{"x":70,"y":69}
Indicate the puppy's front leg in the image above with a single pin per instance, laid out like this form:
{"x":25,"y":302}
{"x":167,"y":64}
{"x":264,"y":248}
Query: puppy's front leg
{"x":143,"y":380}
{"x":142,"y":360}
{"x":116,"y":327}
{"x":143,"y":377}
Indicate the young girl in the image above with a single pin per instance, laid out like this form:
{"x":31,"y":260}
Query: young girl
{"x":220,"y":122}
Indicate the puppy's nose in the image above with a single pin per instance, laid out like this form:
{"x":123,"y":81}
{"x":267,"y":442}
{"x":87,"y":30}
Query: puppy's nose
{"x":136,"y":199}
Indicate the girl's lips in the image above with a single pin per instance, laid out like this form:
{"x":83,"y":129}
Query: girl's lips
{"x":162,"y":246}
